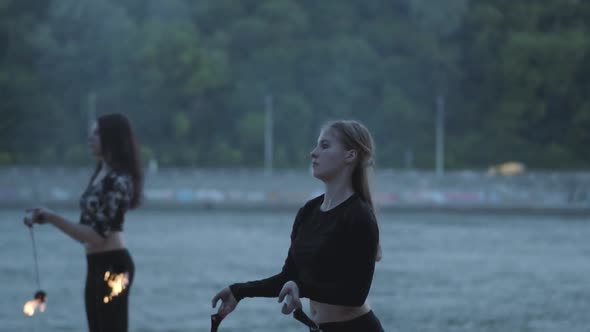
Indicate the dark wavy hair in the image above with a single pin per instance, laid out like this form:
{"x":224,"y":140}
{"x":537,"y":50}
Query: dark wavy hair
{"x":120,"y":151}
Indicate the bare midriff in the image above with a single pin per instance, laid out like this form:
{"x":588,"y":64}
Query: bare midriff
{"x":113,"y":241}
{"x":325,"y":313}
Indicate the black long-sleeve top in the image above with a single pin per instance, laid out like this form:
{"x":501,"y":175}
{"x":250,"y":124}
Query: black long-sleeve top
{"x":331,"y":258}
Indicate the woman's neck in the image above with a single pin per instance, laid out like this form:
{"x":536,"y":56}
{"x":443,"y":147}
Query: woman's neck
{"x":337,"y":192}
{"x":105,"y":168}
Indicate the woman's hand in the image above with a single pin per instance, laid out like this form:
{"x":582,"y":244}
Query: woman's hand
{"x":228,"y":302}
{"x":290,"y":293}
{"x":38,"y":215}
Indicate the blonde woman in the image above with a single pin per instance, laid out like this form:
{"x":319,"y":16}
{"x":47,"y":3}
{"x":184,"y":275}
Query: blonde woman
{"x":334,"y":241}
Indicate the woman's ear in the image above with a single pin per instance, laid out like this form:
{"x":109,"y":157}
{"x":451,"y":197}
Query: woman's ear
{"x":351,"y":156}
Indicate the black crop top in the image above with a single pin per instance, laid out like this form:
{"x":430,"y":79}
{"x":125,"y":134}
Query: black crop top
{"x":331,"y":258}
{"x":104,"y":204}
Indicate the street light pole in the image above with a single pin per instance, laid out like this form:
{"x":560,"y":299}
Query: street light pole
{"x":440,"y":134}
{"x":268,"y":137}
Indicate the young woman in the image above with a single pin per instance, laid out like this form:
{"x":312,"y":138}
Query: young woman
{"x":334,"y":241}
{"x":114,"y":188}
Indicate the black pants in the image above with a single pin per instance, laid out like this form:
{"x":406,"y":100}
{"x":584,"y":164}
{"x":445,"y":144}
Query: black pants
{"x":106,"y":313}
{"x":365,"y":323}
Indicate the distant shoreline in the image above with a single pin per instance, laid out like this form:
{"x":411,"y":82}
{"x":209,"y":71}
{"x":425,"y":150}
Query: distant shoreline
{"x":459,"y":192}
{"x":569,"y":211}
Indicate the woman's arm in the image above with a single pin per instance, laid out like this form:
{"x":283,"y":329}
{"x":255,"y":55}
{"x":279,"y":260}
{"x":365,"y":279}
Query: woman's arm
{"x":78,"y":232}
{"x":270,"y":287}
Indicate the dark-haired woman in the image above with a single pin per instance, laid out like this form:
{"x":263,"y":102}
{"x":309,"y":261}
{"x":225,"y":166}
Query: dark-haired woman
{"x":114,"y":188}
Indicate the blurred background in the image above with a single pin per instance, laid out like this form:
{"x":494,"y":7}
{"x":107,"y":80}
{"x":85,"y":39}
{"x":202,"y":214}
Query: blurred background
{"x":479,"y":110}
{"x":197,"y":76}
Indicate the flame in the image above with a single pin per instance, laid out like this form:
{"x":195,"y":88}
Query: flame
{"x":31,"y":306}
{"x":117,"y":282}
{"x":37,"y":303}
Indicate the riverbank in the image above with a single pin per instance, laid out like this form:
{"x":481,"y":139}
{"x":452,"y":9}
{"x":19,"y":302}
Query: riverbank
{"x":394,"y":191}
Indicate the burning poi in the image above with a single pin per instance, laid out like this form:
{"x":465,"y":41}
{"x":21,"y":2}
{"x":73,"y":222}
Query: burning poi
{"x":40,"y":297}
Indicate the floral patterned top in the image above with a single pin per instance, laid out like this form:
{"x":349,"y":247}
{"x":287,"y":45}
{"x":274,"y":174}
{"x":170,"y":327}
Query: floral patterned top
{"x":104,"y":203}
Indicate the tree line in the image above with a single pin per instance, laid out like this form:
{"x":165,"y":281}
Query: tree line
{"x":194,"y":76}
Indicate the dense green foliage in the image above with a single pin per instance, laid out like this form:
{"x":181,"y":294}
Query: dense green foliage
{"x":193,"y":77}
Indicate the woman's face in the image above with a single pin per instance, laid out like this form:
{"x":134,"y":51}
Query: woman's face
{"x":94,"y":141}
{"x":329,"y":158}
